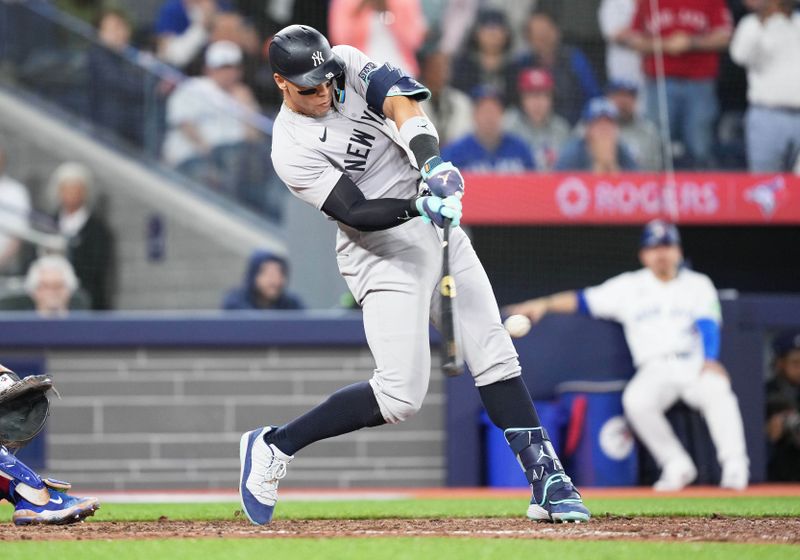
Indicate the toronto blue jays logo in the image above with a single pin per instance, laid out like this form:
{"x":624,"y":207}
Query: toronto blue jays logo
{"x":766,"y":195}
{"x":317,"y":58}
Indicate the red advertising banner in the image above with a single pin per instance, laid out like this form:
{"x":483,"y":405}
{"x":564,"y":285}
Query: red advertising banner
{"x":635,"y":198}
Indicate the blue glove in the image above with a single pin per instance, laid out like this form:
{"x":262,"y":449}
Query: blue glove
{"x":442,"y":178}
{"x":435,"y":209}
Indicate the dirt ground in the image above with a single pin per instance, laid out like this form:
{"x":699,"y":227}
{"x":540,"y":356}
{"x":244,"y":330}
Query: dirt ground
{"x":708,"y":529}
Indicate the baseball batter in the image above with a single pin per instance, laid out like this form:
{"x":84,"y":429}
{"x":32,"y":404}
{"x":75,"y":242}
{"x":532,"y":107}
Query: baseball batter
{"x":671,"y":318}
{"x":352,"y":140}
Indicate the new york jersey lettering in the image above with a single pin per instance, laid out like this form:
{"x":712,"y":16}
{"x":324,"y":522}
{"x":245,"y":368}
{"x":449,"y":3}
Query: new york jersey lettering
{"x":359,"y":138}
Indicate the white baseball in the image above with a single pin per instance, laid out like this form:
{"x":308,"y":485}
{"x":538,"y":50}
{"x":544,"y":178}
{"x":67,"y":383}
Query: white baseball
{"x":517,"y":325}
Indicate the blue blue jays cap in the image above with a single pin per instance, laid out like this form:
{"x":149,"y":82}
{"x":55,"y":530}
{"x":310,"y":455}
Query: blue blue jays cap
{"x":659,"y":232}
{"x":488,"y":16}
{"x":598,"y":108}
{"x":622,"y":85}
{"x":786,"y":342}
{"x":483,"y":91}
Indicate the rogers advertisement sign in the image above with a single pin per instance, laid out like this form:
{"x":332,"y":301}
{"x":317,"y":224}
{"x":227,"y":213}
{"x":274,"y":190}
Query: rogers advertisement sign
{"x":692,"y":198}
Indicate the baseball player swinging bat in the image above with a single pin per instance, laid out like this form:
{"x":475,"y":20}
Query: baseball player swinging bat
{"x":450,"y":366}
{"x":352,"y":140}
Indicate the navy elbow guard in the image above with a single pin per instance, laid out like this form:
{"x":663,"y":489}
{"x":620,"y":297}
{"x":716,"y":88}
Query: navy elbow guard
{"x":388,"y":81}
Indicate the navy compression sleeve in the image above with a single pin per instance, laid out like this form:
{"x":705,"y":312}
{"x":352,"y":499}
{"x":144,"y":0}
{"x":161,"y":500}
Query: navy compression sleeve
{"x":347,"y":204}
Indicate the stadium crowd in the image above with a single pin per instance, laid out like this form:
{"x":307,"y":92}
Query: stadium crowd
{"x":526,"y":85}
{"x":503,"y":74}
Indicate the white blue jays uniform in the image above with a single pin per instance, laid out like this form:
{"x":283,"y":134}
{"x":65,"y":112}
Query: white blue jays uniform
{"x":392,"y":273}
{"x":660,"y":323}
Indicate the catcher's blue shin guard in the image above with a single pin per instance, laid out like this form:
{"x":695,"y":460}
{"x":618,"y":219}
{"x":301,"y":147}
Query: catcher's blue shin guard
{"x":41,"y":501}
{"x":262,"y":467}
{"x":24,"y":481}
{"x":553,"y":497}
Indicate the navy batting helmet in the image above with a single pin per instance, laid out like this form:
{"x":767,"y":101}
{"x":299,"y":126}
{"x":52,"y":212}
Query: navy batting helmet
{"x":659,"y":232}
{"x":302,"y":55}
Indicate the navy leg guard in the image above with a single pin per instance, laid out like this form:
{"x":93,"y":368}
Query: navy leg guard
{"x":24,"y":481}
{"x":553,"y":497}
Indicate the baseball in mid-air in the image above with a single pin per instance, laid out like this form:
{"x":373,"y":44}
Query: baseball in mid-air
{"x":517,"y":325}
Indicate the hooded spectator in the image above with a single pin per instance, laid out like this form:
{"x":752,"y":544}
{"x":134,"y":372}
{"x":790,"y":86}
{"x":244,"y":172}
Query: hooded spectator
{"x":264,"y":285}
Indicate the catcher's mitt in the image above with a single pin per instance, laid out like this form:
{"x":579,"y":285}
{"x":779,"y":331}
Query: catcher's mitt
{"x":23,"y":407}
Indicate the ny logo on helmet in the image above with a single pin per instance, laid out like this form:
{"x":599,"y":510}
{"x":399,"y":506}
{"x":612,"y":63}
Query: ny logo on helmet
{"x":317,"y":58}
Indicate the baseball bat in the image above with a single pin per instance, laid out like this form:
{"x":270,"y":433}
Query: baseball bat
{"x":450,"y":366}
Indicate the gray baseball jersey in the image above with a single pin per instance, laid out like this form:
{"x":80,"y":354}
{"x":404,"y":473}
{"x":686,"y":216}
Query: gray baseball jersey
{"x":392,"y":273}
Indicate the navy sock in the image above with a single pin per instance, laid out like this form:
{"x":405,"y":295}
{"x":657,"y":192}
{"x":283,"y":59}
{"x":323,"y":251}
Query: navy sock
{"x":509,"y":404}
{"x":347,"y":410}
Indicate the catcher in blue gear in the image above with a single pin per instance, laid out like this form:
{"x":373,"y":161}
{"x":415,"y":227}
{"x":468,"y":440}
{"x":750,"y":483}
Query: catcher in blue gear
{"x":23,"y":411}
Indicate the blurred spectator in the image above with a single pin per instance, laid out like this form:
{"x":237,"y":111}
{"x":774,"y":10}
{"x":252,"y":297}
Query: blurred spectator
{"x":574,"y":77}
{"x":269,"y":17}
{"x":52,"y":288}
{"x":264,"y":285}
{"x":767,"y":44}
{"x":231,"y":26}
{"x":489,"y":149}
{"x":639,"y":135}
{"x":386,"y":30}
{"x":90,"y":247}
{"x":622,"y":62}
{"x":117,"y":87}
{"x":783,"y":409}
{"x":87,"y":10}
{"x":486,"y":58}
{"x":449,"y":109}
{"x":534,"y":121}
{"x":208,"y":136}
{"x":448,"y":21}
{"x":598,"y":149}
{"x":15,"y":207}
{"x":691,"y":34}
{"x":183,"y":28}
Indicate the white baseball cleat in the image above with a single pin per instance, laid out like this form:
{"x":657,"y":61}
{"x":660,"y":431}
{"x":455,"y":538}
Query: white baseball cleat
{"x":676,"y":475}
{"x":735,"y":474}
{"x":262,"y":466}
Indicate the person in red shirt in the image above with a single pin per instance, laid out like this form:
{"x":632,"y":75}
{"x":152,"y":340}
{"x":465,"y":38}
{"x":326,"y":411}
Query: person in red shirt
{"x":684,"y":38}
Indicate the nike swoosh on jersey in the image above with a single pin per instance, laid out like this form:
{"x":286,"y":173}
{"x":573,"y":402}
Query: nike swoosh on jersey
{"x":324,"y":135}
{"x":57,"y":501}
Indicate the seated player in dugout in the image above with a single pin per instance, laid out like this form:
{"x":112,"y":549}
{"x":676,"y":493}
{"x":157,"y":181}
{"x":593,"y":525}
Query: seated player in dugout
{"x":671,"y":318}
{"x":352,"y":140}
{"x":37,"y":501}
{"x":783,"y":409}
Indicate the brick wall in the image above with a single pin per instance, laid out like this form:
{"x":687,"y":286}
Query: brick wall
{"x":152,"y":418}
